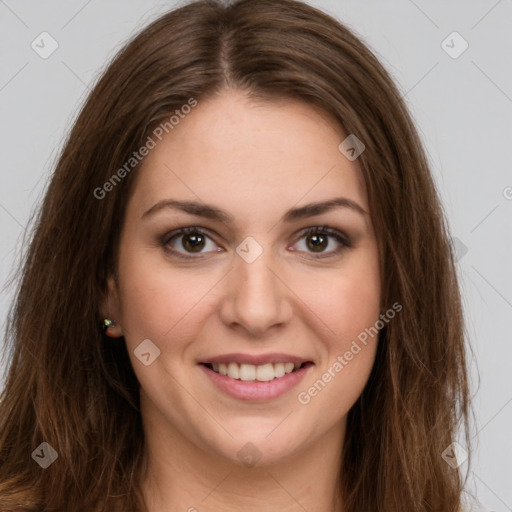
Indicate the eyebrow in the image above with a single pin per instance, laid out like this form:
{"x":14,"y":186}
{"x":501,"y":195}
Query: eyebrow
{"x":216,"y":214}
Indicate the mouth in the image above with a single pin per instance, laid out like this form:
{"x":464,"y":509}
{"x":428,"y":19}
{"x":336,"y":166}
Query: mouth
{"x":255,"y":378}
{"x":256,"y":373}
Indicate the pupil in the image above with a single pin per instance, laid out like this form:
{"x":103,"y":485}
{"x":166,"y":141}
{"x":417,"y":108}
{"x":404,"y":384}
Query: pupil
{"x":197,"y":241}
{"x":318,"y":244}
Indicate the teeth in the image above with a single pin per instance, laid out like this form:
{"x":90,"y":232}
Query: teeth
{"x":279,"y":369}
{"x":265,"y":372}
{"x":247,"y":371}
{"x":250,"y":372}
{"x":233,"y":371}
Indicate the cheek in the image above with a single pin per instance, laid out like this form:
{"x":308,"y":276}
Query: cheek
{"x":348,"y":354}
{"x":346,"y":303}
{"x":157,"y":303}
{"x":349,"y":307}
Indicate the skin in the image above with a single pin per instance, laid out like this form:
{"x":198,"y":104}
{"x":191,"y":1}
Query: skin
{"x":255,"y":161}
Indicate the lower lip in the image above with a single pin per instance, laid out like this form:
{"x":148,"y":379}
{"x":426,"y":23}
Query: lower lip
{"x":256,"y":390}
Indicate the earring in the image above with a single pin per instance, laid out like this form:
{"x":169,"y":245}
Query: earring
{"x":107,"y":322}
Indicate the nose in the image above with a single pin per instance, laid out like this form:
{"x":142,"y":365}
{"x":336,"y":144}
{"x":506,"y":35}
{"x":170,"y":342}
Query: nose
{"x":258,"y":298}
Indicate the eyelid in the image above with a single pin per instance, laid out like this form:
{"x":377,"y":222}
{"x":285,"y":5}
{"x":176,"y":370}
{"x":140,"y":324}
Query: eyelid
{"x":342,"y":239}
{"x":181,"y":232}
{"x":325,"y":230}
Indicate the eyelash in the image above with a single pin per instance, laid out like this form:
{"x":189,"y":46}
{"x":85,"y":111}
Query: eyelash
{"x":316,"y":230}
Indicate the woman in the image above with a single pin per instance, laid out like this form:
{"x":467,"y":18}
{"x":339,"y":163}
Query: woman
{"x":240,"y":292}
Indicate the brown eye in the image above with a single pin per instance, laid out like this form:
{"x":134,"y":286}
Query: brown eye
{"x":317,"y":242}
{"x":190,"y":240}
{"x":193,"y":242}
{"x":318,"y":239}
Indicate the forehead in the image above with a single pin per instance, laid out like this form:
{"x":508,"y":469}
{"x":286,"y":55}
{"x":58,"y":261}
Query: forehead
{"x":244,"y":154}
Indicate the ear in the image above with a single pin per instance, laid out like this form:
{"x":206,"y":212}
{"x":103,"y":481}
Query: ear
{"x":110,"y":308}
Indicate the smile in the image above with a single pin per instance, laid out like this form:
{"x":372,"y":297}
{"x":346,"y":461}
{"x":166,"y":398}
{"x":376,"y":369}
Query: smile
{"x":255,"y":382}
{"x":251,"y":372}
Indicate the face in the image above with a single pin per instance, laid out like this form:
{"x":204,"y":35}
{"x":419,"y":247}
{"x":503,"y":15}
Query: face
{"x":257,"y":286}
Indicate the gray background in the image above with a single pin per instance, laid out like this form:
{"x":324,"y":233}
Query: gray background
{"x":462,"y":106}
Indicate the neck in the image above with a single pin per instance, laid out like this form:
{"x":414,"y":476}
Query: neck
{"x":181,"y":476}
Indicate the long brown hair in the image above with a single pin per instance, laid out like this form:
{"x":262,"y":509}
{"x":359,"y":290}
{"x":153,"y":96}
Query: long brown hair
{"x":70,"y":387}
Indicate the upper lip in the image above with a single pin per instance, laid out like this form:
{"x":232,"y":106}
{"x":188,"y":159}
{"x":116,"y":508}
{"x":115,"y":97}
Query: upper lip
{"x":256,"y":360}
